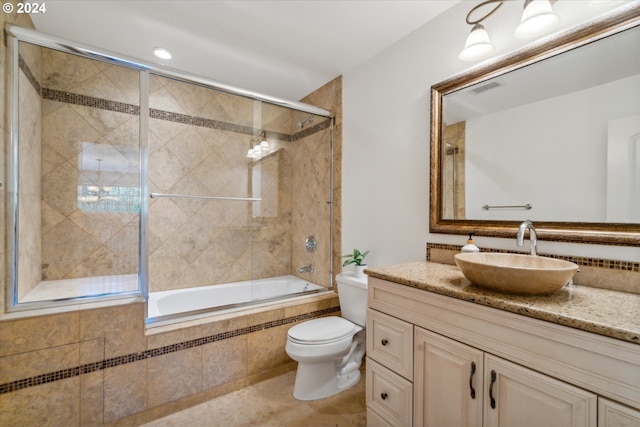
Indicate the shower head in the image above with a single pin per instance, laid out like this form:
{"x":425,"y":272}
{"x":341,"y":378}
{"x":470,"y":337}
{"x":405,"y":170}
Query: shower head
{"x":300,"y":124}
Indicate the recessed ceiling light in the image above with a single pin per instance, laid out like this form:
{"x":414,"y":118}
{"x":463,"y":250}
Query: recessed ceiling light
{"x":162,"y":53}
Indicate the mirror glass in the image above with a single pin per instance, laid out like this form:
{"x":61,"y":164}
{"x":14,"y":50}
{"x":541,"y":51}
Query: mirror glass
{"x":554,"y":140}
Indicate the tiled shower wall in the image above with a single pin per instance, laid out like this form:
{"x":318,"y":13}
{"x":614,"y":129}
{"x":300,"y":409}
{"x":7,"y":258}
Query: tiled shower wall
{"x":198,"y":139}
{"x":85,"y":142}
{"x":453,"y":171}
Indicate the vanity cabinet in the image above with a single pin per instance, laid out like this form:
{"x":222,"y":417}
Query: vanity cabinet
{"x":478,"y":366}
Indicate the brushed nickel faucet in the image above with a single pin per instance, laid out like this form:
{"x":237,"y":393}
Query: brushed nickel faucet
{"x":533,"y":241}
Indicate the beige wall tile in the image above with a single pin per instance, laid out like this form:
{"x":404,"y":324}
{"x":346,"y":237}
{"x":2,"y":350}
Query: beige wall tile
{"x":125,"y":390}
{"x":38,"y":362}
{"x":190,"y":97}
{"x":91,"y":351}
{"x":36,"y":333}
{"x":175,"y":375}
{"x":320,"y":304}
{"x":266,"y":349}
{"x":226,"y":325}
{"x":615,"y":280}
{"x":92,"y":399}
{"x":224,"y":361}
{"x":63,"y":71}
{"x":53,"y":404}
{"x":443,"y":256}
{"x":121,"y":326}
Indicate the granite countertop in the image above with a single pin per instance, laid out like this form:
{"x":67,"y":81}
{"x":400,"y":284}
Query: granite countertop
{"x":604,"y":312}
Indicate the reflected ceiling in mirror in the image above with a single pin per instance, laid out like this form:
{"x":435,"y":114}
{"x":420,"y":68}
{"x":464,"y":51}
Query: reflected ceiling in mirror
{"x":550,"y":134}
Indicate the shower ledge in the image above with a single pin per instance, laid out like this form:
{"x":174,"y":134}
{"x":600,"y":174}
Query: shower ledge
{"x":87,"y":286}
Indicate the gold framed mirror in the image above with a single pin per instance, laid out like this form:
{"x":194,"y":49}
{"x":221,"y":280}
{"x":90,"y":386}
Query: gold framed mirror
{"x":574,"y":189}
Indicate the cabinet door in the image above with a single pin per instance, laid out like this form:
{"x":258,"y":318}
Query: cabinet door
{"x":447,"y":382}
{"x":612,"y":414}
{"x":517,"y":396}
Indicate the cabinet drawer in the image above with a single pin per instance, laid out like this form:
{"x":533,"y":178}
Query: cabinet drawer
{"x":613,"y":414}
{"x":389,"y":395}
{"x":390,"y":342}
{"x":375,"y":420}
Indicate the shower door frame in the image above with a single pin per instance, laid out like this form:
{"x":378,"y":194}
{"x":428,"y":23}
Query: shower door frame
{"x":17,"y":34}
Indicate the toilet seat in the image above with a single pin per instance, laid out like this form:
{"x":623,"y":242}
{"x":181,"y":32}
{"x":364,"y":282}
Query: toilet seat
{"x":325,"y":330}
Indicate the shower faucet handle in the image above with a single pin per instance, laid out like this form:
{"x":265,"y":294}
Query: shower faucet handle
{"x":310,"y":244}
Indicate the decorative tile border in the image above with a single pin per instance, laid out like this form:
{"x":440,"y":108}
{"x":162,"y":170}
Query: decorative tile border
{"x":583,"y":261}
{"x":148,"y":354}
{"x":89,"y":101}
{"x":311,"y":130}
{"x":122,"y":107}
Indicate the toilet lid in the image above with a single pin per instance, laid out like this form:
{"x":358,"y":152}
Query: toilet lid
{"x":322,"y":330}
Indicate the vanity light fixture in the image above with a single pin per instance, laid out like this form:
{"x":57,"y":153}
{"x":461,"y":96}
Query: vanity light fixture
{"x":537,"y":17}
{"x":258,"y":146}
{"x":162,"y":53}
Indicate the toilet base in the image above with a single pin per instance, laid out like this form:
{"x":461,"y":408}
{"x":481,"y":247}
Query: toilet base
{"x":324,"y":378}
{"x":319,"y":380}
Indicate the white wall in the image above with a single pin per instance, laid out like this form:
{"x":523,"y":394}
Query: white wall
{"x":386,"y":103}
{"x":569,"y":157}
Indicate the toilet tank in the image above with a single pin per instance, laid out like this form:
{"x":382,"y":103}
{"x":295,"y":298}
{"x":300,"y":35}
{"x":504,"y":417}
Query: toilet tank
{"x":352,"y":292}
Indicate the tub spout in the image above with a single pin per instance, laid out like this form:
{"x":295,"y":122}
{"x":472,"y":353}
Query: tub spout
{"x":306,"y":269}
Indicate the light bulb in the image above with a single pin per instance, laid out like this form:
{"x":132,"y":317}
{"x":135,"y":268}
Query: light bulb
{"x":162,"y":53}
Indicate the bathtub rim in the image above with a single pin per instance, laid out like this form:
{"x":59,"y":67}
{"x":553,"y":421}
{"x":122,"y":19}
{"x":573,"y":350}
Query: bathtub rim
{"x":219,"y":316}
{"x":184,"y":316}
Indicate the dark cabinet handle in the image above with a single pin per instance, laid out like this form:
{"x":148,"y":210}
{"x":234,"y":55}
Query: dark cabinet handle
{"x":385,"y":341}
{"x":493,"y":381}
{"x":473,"y":371}
{"x":384,"y":396}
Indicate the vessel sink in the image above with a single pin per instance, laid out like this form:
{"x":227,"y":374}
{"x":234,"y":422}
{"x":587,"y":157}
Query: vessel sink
{"x":516,"y":274}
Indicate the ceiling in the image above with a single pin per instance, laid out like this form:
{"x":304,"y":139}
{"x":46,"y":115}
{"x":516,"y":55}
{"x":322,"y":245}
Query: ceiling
{"x":285,"y":48}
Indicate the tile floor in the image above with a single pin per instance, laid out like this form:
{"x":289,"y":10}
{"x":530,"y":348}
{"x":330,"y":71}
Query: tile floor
{"x":270,"y":403}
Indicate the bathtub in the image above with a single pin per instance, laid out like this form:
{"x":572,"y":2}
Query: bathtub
{"x":192,"y":303}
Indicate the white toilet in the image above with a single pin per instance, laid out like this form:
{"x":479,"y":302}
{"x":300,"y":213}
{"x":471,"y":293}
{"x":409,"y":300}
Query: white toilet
{"x":329,"y":350}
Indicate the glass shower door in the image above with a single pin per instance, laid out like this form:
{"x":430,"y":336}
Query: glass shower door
{"x":200,"y":186}
{"x":75,"y":177}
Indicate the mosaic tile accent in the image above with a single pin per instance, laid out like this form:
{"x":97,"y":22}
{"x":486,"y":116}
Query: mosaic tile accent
{"x":156,"y":352}
{"x":90,"y":101}
{"x":311,"y":130}
{"x":583,"y":261}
